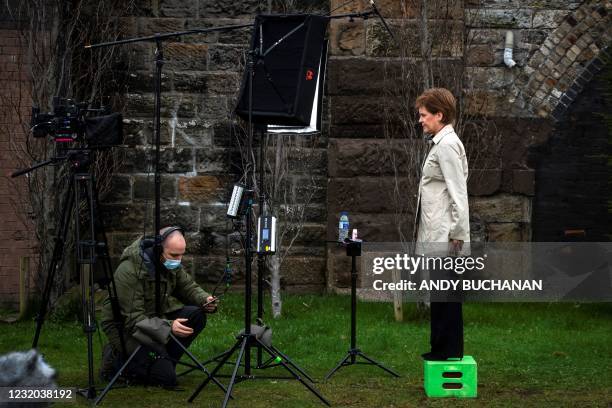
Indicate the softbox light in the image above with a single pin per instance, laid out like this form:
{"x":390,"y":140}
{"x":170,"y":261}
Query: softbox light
{"x":289,"y":59}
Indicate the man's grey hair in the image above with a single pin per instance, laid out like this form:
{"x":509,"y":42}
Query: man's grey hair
{"x":172,"y":234}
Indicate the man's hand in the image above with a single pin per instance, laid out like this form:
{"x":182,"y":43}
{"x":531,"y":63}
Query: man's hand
{"x":179,"y":329}
{"x":454,"y":247}
{"x":210,"y":306}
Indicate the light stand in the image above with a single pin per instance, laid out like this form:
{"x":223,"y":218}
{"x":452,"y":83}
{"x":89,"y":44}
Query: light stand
{"x":353,"y":249}
{"x":159,"y":62}
{"x":261,"y":258}
{"x":261,"y":267}
{"x":246,"y":340}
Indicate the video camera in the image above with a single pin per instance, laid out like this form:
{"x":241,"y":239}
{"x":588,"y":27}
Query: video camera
{"x":69,"y":123}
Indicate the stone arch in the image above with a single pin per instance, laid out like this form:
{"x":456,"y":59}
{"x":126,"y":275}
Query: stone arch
{"x":566,"y":61}
{"x":573,"y":170}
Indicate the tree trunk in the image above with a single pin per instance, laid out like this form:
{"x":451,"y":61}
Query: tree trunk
{"x":425,"y":46}
{"x":277,"y":303}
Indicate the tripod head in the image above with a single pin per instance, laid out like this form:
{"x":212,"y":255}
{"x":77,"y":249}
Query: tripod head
{"x":79,"y":160}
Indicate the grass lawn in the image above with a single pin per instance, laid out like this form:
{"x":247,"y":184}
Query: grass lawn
{"x":527,"y":354}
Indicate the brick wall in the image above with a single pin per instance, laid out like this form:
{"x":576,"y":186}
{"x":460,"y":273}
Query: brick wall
{"x":15,"y":102}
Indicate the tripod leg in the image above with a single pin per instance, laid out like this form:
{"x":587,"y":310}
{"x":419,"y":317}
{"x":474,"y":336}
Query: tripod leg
{"x":204,"y":363}
{"x":85,"y":262}
{"x":376,"y":363}
{"x":295,"y":375}
{"x":291,"y":363}
{"x":230,"y":386}
{"x":265,"y":364}
{"x":109,"y":279}
{"x":214,"y":371}
{"x":337,"y":367}
{"x":58,"y":251}
{"x":116,"y":377}
{"x":200,"y":366}
{"x":89,"y":328}
{"x":216,"y":358}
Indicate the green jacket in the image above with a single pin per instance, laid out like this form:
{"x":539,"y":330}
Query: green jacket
{"x":135,"y":282}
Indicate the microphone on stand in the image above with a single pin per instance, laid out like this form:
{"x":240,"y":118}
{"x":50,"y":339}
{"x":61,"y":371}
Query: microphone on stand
{"x":375,"y":9}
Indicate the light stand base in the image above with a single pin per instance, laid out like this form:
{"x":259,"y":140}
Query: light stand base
{"x":199,"y":366}
{"x":243,"y":344}
{"x":351,"y":359}
{"x":270,"y":363}
{"x":353,"y":249}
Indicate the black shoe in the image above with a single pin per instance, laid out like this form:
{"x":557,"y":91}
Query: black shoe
{"x":433,"y":356}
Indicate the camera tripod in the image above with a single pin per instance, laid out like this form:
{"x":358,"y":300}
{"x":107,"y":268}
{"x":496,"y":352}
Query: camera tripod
{"x":91,"y":247}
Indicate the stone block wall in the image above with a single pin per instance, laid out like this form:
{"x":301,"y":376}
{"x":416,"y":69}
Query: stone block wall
{"x":203,"y":74}
{"x":200,"y":160}
{"x":572,"y":199}
{"x":558,"y":47}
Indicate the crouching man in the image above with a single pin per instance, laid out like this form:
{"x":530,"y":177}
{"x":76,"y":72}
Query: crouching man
{"x":182,"y":307}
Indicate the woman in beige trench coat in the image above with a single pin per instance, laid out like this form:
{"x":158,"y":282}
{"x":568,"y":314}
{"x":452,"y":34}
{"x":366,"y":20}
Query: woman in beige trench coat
{"x":443,"y":213}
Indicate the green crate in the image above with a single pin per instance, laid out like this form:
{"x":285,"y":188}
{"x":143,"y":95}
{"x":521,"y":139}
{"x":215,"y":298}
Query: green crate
{"x":451,"y":378}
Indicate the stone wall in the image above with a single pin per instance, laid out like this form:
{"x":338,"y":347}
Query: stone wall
{"x":559,"y":46}
{"x":573,"y":168}
{"x":200,"y":158}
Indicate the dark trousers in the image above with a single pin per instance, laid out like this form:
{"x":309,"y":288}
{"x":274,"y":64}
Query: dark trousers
{"x":446,"y":329}
{"x":158,"y":367}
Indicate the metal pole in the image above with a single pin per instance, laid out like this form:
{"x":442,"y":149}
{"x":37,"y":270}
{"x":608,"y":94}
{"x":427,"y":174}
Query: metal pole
{"x":159,"y":62}
{"x":249,"y":229}
{"x":353,"y":306}
{"x":261,"y":259}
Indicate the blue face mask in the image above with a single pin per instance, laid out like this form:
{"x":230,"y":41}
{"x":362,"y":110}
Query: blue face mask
{"x":172,"y":263}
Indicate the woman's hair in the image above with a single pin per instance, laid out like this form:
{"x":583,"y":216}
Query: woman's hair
{"x":439,"y":100}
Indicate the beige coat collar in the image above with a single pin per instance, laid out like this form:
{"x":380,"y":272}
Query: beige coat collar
{"x":443,"y":132}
